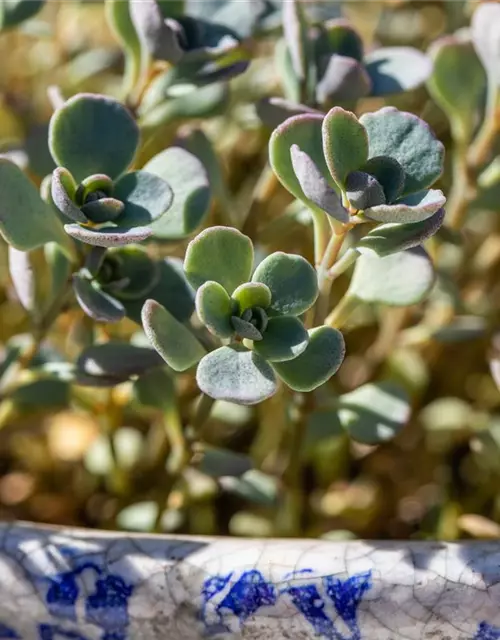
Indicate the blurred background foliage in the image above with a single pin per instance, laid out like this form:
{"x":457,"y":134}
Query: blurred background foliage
{"x":107,"y":458}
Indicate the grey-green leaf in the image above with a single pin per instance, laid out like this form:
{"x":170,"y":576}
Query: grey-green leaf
{"x":374,"y":412}
{"x":236,"y":375}
{"x":344,"y":79}
{"x":214,"y":307}
{"x":173,"y":340}
{"x":146,"y":198}
{"x":188,"y":179}
{"x":292,"y":281}
{"x":98,"y":305}
{"x":161,"y":38}
{"x":486,"y":38}
{"x":117,"y":360}
{"x":92,"y":134}
{"x":399,"y":279}
{"x":317,"y":364}
{"x":414,"y":208}
{"x":285,"y":338}
{"x":109,"y":236}
{"x":63,"y":188}
{"x":409,"y":140}
{"x":364,"y":190}
{"x":221,"y":254}
{"x":396,"y":69}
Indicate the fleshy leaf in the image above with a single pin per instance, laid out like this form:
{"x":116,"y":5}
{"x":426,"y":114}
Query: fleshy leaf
{"x":317,"y":364}
{"x":393,"y":237}
{"x":108,"y":236}
{"x":26,"y":222}
{"x":31,"y":276}
{"x":146,"y":197}
{"x":160,"y":38}
{"x":236,"y":375}
{"x":97,"y":304}
{"x":295,"y":32}
{"x":409,"y":140}
{"x":63,"y":189}
{"x":315,"y":186}
{"x":305,"y":132}
{"x":117,"y":360}
{"x":389,"y":173}
{"x":173,"y":340}
{"x":245,"y":329}
{"x":214,"y":307}
{"x":188,"y":179}
{"x":399,"y":279}
{"x":274,"y":111}
{"x":292,"y":281}
{"x":456,"y":66}
{"x":221,"y":254}
{"x":172,"y":291}
{"x":103,"y":210}
{"x":413,"y":208}
{"x":344,"y":79}
{"x":363,"y":190}
{"x":285,"y":338}
{"x":92,"y":134}
{"x":339,"y":36}
{"x":345,"y":143}
{"x":375,"y":412}
{"x":252,"y":294}
{"x":134,"y":264}
{"x":486,"y":38}
{"x":397,"y":69}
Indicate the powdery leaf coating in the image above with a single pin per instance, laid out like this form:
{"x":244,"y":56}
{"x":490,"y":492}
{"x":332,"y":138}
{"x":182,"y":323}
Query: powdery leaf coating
{"x":345,"y":143}
{"x":389,"y":173}
{"x":117,"y":360}
{"x":221,"y":254}
{"x":413,"y":208}
{"x":188,"y":179}
{"x":245,"y":329}
{"x":63,"y":188}
{"x":344,"y":79}
{"x":235,"y":374}
{"x":92,"y":134}
{"x":103,"y":210}
{"x":397,"y":69}
{"x":146,"y":198}
{"x":315,"y":186}
{"x":214,"y":308}
{"x":292,"y":281}
{"x":252,"y":294}
{"x":26,"y":222}
{"x":317,"y":364}
{"x":96,"y":303}
{"x":364,"y":190}
{"x":409,"y":140}
{"x":173,"y":340}
{"x":285,"y":338}
{"x":136,"y":267}
{"x":304,"y":131}
{"x":398,"y":280}
{"x":486,"y":38}
{"x":393,"y":237}
{"x":158,"y":36}
{"x":374,"y":412}
{"x":107,"y":236}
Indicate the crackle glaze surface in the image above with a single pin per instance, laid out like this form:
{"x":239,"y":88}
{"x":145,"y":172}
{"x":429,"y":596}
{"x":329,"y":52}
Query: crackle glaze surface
{"x":83,"y":585}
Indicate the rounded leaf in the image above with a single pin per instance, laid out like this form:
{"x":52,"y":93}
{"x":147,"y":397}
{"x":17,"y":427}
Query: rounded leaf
{"x":173,"y":340}
{"x":221,"y":254}
{"x":363,"y":190}
{"x":63,"y":190}
{"x":92,"y":134}
{"x":159,"y":37}
{"x":109,"y":236}
{"x":214,"y":308}
{"x":344,"y":79}
{"x":103,"y":210}
{"x":486,"y":38}
{"x":315,"y":186}
{"x":303,"y":131}
{"x":235,"y":374}
{"x":318,"y":363}
{"x":389,"y":174}
{"x":245,"y":329}
{"x":397,"y":69}
{"x":188,"y":179}
{"x":345,"y":143}
{"x":409,"y":140}
{"x":98,"y":305}
{"x":285,"y":338}
{"x":399,"y":279}
{"x":292,"y":281}
{"x":146,"y":197}
{"x":339,"y":36}
{"x":134,"y":265}
{"x":252,"y":294}
{"x":375,"y":412}
{"x":274,"y":110}
{"x":413,"y":208}
{"x":117,"y":360}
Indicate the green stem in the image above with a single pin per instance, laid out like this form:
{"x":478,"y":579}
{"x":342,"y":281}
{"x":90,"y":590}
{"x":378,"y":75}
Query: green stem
{"x":481,"y":147}
{"x":324,"y":280}
{"x":203,"y":409}
{"x":342,"y":312}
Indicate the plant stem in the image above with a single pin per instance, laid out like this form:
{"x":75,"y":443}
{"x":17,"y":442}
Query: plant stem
{"x":342,"y":311}
{"x":464,"y":187}
{"x":480,"y":149}
{"x":203,"y":410}
{"x":324,"y":280}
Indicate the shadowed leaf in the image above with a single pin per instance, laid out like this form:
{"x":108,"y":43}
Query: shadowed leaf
{"x":63,"y":189}
{"x":159,"y":37}
{"x":252,"y":294}
{"x":285,"y":338}
{"x":397,"y":69}
{"x":96,"y":304}
{"x":214,"y":307}
{"x":344,"y":79}
{"x":146,"y":198}
{"x":363,"y":190}
{"x":486,"y":38}
{"x":117,"y":360}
